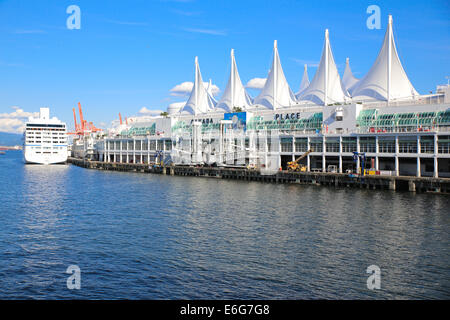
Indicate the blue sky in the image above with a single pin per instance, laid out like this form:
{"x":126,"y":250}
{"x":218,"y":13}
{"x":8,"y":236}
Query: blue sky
{"x":129,"y":54}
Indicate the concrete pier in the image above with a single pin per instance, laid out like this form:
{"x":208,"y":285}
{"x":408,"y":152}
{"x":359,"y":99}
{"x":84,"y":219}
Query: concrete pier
{"x":412,"y":186}
{"x":369,"y":182}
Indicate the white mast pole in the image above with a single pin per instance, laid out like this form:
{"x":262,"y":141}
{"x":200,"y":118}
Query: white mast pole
{"x":274,"y":74}
{"x":196,"y":84}
{"x":325,"y":100}
{"x":389,"y":64}
{"x":305,"y":72}
{"x":232,"y":80}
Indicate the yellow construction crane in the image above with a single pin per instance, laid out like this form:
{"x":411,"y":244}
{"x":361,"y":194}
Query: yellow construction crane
{"x":295,"y":166}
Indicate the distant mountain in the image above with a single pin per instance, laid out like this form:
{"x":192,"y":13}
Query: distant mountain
{"x":10,"y":139}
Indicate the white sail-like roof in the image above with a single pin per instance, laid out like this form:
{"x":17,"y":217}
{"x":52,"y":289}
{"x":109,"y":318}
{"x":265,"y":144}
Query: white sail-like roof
{"x":276,"y":87}
{"x":326,"y":86}
{"x":235,"y":94}
{"x":348,"y":79}
{"x":386,"y":79}
{"x":200,"y":101}
{"x":209,"y":89}
{"x":304,"y":84}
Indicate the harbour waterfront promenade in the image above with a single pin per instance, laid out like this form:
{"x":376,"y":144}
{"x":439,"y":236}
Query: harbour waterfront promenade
{"x":381,"y":124}
{"x":413,"y":184}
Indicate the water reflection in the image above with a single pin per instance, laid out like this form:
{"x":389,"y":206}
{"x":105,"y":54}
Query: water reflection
{"x":43,"y":191}
{"x":159,"y":237}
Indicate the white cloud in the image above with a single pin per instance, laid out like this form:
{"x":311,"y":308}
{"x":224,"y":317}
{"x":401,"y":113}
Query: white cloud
{"x":206,"y":31}
{"x":12,"y":125}
{"x":185,"y":88}
{"x":256,"y":83}
{"x":182,"y":89}
{"x":14,"y":122}
{"x":144,"y":114}
{"x":177,"y":104}
{"x":309,"y":63}
{"x":18,"y":113}
{"x":147,"y":112}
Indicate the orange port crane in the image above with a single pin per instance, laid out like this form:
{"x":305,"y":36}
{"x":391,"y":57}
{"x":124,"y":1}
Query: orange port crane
{"x":77,"y":126}
{"x":75,"y":120}
{"x":80,"y":112}
{"x":84,"y":126}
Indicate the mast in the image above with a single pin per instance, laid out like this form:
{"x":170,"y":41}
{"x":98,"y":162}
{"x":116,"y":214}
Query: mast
{"x":389,"y":64}
{"x":325,"y":100}
{"x":196,"y":85}
{"x":275,"y":53}
{"x":210,"y":88}
{"x":232,"y":79}
{"x":305,"y":81}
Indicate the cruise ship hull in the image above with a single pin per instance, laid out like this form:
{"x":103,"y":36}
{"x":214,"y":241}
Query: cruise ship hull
{"x":31,"y":157}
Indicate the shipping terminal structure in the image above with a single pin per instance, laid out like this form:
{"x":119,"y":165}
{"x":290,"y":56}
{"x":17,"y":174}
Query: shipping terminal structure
{"x":378,"y":124}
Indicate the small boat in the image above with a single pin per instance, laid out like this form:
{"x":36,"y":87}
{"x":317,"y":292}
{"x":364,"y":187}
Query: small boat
{"x":2,"y":152}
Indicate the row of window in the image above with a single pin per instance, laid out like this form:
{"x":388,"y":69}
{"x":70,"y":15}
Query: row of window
{"x":46,"y":132}
{"x":367,"y":144}
{"x":140,"y":145}
{"x":45,"y":141}
{"x":383,"y":147}
{"x":47,"y":148}
{"x":47,"y":152}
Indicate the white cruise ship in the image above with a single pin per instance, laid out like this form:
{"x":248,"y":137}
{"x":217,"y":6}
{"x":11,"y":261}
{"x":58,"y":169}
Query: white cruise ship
{"x":45,"y":139}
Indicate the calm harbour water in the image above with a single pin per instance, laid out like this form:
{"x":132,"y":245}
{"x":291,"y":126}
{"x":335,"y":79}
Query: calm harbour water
{"x":143,"y":236}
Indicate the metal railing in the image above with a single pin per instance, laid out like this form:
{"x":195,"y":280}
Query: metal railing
{"x":402,"y":129}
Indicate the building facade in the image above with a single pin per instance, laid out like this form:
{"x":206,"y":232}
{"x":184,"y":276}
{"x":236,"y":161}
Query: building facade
{"x":379,"y":122}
